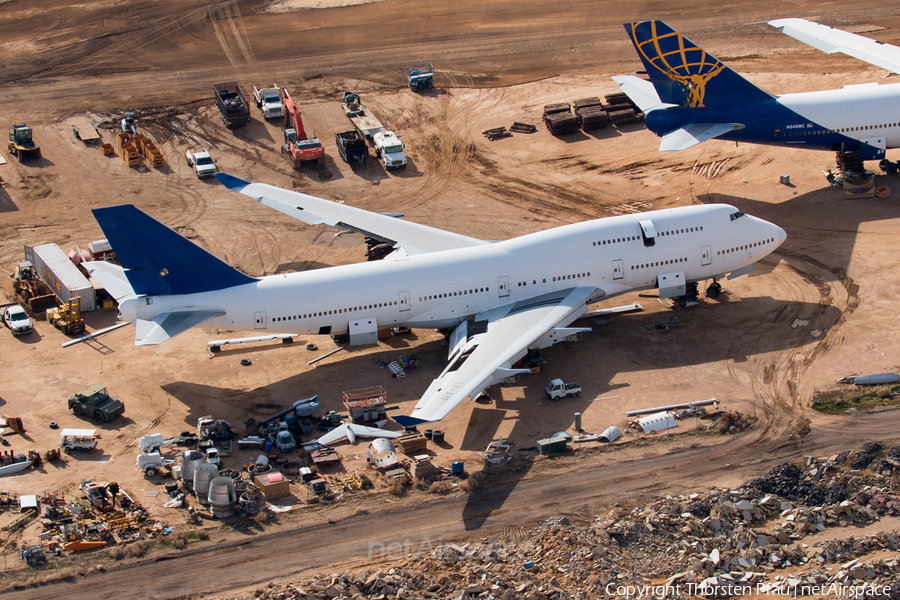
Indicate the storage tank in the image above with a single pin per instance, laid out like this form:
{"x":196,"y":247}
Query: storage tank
{"x":221,"y":496}
{"x":204,"y":474}
{"x":189,"y":462}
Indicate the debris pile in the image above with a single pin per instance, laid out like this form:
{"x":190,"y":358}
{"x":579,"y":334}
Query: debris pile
{"x":720,"y":543}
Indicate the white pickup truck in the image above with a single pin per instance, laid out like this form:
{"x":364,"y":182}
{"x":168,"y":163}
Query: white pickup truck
{"x":389,"y":149}
{"x":201,"y":162}
{"x":557,"y":388}
{"x":269,"y":100}
{"x":17,"y":320}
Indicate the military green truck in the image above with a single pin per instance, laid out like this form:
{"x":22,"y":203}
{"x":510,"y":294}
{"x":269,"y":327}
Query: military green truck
{"x":97,"y":403}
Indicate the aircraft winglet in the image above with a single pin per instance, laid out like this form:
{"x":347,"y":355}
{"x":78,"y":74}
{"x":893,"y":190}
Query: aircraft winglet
{"x":231,"y":182}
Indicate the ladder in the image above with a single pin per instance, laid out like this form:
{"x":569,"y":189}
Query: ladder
{"x":397,"y":369}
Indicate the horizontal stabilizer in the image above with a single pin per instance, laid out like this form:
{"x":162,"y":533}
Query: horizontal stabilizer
{"x":694,"y":133}
{"x":112,"y":278}
{"x":830,"y":40}
{"x":168,"y":325}
{"x":405,"y":421}
{"x":641,"y":92}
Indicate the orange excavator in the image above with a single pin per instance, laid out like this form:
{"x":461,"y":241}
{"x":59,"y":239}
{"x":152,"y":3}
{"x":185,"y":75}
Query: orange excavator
{"x":297,"y":146}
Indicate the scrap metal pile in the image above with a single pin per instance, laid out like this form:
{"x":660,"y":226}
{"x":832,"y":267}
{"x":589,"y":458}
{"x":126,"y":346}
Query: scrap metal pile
{"x":106,"y":516}
{"x":717,"y":543}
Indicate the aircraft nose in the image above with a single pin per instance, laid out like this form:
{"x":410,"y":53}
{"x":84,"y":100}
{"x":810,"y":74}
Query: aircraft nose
{"x":780,"y":234}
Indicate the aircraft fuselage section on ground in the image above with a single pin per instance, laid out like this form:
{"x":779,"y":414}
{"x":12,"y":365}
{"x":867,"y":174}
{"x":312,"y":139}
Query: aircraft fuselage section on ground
{"x":441,"y":289}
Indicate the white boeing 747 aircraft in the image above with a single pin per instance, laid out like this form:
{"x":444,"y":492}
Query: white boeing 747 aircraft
{"x":499,"y":299}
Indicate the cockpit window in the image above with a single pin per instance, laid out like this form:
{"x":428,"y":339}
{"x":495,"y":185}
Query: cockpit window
{"x":736,"y":215}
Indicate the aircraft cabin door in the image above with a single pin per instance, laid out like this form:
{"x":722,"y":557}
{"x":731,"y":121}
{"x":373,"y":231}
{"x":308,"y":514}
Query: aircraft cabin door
{"x":260,"y":319}
{"x":404,"y":301}
{"x":503,"y":284}
{"x":705,"y":256}
{"x":618,"y":269}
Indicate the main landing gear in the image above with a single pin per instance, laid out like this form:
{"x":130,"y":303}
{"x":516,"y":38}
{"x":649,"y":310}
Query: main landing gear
{"x":714,"y":289}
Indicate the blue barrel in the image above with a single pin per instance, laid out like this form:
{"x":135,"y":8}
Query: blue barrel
{"x":290,"y":419}
{"x":268,"y":447}
{"x":456,"y":467}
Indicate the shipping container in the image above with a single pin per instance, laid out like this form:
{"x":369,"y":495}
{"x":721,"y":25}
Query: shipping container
{"x":62,"y":277}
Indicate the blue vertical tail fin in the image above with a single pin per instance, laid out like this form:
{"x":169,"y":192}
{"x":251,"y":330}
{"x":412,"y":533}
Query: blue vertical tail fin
{"x":685,"y":74}
{"x":158,"y":260}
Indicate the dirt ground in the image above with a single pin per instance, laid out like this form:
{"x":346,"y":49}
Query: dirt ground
{"x":814,"y":311}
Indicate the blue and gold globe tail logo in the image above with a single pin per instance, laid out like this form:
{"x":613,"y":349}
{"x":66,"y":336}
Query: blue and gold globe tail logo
{"x":677,"y":58}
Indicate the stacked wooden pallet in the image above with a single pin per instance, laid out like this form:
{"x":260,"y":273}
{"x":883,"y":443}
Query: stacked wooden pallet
{"x":559,"y":118}
{"x":496,"y":133}
{"x":621,"y":109}
{"x":590,"y":113}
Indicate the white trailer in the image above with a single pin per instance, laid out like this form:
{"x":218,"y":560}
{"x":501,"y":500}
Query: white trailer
{"x":59,"y":273}
{"x":366,"y":124}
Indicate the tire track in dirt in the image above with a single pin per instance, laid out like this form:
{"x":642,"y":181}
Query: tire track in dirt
{"x":777,"y":382}
{"x":228,"y":26}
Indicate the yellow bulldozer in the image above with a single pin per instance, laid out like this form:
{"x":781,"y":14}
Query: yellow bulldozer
{"x":67,"y":317}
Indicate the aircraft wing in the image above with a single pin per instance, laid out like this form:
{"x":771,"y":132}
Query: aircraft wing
{"x":830,"y":40}
{"x":694,"y":133}
{"x":487,"y":358}
{"x":641,"y":92}
{"x":413,"y":238}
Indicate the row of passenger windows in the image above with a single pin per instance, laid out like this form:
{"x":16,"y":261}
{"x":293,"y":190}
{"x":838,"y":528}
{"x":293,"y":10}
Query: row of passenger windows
{"x":745,"y":247}
{"x":660,"y":263}
{"x":449,"y":294}
{"x":634,"y":238}
{"x":843,"y":130}
{"x":333,"y":312}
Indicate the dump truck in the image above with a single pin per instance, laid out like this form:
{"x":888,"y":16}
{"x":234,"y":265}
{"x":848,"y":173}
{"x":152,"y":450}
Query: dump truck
{"x":420,"y":77}
{"x":352,"y":147}
{"x":21,"y":143}
{"x":389,"y":149}
{"x":96,"y":402}
{"x":201,"y":162}
{"x":557,"y":389}
{"x":232,"y":104}
{"x":269,"y":101}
